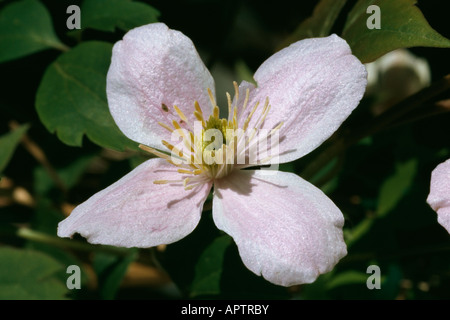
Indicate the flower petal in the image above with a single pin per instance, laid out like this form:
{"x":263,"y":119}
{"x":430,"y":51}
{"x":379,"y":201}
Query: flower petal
{"x":152,"y":69}
{"x":313,"y":85}
{"x":135,"y":212}
{"x":286,"y":229}
{"x":439,"y":197}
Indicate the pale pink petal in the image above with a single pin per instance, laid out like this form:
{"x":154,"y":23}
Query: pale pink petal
{"x":152,"y":69}
{"x":439,"y":197}
{"x":135,"y":212}
{"x":286,"y":229}
{"x":313,"y":85}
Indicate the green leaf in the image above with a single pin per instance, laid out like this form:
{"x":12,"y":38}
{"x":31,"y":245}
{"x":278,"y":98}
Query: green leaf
{"x":110,"y":270}
{"x":208,"y":270}
{"x":106,"y":15}
{"x":26,"y":28}
{"x":27,"y":274}
{"x":395,"y":187}
{"x":402,"y":26}
{"x":8,"y":144}
{"x":320,"y":23}
{"x":71,"y":98}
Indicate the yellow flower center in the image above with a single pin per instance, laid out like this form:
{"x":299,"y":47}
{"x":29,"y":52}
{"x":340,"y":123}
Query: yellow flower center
{"x":212,"y":148}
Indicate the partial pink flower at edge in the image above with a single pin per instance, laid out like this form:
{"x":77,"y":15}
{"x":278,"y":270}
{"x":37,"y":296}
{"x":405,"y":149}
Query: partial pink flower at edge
{"x":285,"y":229}
{"x":439,"y":196}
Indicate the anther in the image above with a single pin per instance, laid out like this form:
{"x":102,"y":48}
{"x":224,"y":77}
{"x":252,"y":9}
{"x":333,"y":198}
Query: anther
{"x":180,"y":113}
{"x":165,"y":127}
{"x":216,"y":112}
{"x":211,"y":97}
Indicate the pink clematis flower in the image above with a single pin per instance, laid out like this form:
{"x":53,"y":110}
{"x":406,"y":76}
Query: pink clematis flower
{"x":439,"y":197}
{"x":285,"y":229}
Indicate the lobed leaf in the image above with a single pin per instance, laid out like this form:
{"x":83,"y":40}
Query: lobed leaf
{"x":402,"y":26}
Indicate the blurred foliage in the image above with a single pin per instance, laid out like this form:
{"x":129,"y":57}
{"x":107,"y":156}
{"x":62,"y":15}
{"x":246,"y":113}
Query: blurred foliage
{"x":320,"y":23}
{"x":69,"y":147}
{"x":8,"y":143}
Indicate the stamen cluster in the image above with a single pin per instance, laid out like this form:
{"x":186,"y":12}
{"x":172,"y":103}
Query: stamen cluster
{"x":212,"y":148}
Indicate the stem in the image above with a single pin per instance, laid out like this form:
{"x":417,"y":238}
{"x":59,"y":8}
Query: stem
{"x":404,"y":107}
{"x":422,"y":114}
{"x":59,"y":46}
{"x":40,"y":156}
{"x":41,"y":237}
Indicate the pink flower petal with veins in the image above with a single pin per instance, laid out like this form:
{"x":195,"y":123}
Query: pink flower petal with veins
{"x":152,"y":69}
{"x":439,"y":197}
{"x":134,"y":212}
{"x":286,"y":229}
{"x":312,"y":86}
